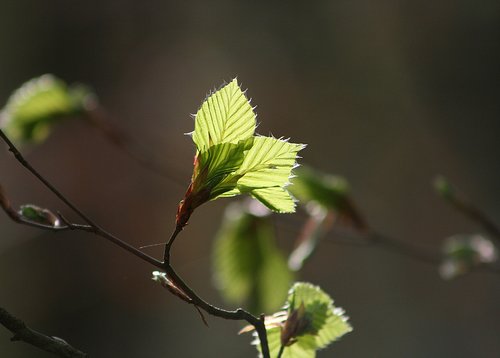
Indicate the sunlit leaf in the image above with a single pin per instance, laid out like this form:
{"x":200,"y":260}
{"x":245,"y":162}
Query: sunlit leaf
{"x":462,"y":253}
{"x":248,"y":267}
{"x":266,"y":170}
{"x":32,"y":109}
{"x":312,"y":323}
{"x":226,"y":116}
{"x":230,"y":160}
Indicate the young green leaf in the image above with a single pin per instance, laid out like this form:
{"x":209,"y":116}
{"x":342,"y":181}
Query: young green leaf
{"x":230,"y":160}
{"x":311,"y":323}
{"x":248,"y":267}
{"x":226,"y":116}
{"x":32,"y":109}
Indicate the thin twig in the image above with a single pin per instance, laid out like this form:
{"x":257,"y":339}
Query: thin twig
{"x":91,"y":226}
{"x":381,"y":241}
{"x":475,"y":214}
{"x":23,"y":333}
{"x":405,"y":249}
{"x":239,"y":314}
{"x":280,"y":353}
{"x":168,"y":246}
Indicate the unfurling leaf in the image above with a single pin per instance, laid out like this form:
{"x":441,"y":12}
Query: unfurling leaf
{"x":309,"y":322}
{"x":33,"y":108}
{"x":462,"y":253}
{"x":249,"y":269}
{"x":297,"y":324}
{"x":38,"y":215}
{"x":230,"y":160}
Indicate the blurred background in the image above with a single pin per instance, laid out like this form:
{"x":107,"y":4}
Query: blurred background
{"x":387,"y":94}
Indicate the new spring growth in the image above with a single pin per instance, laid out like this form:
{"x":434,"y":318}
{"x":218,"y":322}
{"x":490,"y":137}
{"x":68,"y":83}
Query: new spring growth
{"x":231,"y":160}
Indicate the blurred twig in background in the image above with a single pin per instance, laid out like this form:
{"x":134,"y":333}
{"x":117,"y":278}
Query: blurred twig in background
{"x":50,"y":344}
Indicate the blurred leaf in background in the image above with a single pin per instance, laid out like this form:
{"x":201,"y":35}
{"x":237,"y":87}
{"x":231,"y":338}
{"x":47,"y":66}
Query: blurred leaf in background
{"x":463,"y":253}
{"x":249,"y":269}
{"x":33,"y":109}
{"x":326,"y":200}
{"x":309,"y":322}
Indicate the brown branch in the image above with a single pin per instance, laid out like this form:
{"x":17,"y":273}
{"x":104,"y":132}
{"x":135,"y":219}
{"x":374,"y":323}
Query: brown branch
{"x":49,"y":344}
{"x":381,"y":241}
{"x":404,"y":248}
{"x":237,"y":315}
{"x":475,"y":214}
{"x":90,"y":226}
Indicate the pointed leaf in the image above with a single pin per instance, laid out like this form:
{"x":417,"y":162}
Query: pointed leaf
{"x":226,"y":116}
{"x":275,"y":198}
{"x":268,"y":163}
{"x":266,"y":171}
{"x":218,"y":162}
{"x":325,"y":323}
{"x":230,"y":160}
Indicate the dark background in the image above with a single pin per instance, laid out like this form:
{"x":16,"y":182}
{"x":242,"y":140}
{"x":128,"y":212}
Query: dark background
{"x":386,"y":93}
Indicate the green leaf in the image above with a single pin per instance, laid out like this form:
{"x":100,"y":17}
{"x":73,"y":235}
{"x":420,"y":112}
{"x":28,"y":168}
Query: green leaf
{"x":266,"y":170}
{"x":226,"y":116}
{"x":275,"y":198}
{"x":230,"y":160}
{"x":263,"y":173}
{"x":32,"y":109}
{"x":220,"y":162}
{"x":319,"y":324}
{"x":329,"y":191}
{"x":463,"y":253}
{"x":248,"y":267}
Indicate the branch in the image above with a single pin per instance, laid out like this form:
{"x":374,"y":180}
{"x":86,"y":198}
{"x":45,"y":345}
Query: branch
{"x":49,"y":344}
{"x":405,"y":249}
{"x":375,"y":239}
{"x":90,"y":226}
{"x":475,"y":214}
